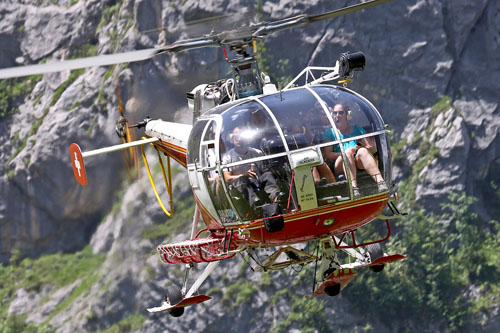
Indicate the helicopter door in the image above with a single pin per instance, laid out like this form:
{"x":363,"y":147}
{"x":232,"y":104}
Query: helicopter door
{"x":197,"y":159}
{"x":302,"y":162}
{"x":206,"y":171}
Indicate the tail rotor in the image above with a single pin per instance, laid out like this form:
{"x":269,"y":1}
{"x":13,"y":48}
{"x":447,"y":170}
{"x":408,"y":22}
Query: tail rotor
{"x":122,"y":129}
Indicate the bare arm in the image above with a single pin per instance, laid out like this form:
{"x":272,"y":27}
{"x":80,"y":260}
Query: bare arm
{"x":329,"y":154}
{"x":369,"y":143}
{"x":230,"y":177}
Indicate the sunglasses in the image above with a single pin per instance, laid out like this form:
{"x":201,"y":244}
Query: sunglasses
{"x":339,"y":113}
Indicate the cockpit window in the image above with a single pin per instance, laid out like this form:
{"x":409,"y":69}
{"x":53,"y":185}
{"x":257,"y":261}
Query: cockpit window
{"x":210,"y":132}
{"x":194,"y":141}
{"x":300,"y":115}
{"x":248,"y":132}
{"x":358,"y":110}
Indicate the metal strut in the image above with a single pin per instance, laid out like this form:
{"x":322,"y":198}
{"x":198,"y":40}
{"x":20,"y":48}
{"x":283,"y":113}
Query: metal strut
{"x":168,"y":183}
{"x":340,"y":245}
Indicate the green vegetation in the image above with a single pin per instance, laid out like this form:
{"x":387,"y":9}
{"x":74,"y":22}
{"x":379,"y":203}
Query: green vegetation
{"x":12,"y":91}
{"x":92,"y":124}
{"x":25,"y":87}
{"x":75,"y":105}
{"x":58,"y":92}
{"x":101,"y":97}
{"x":87,"y":282}
{"x":237,"y":293}
{"x":278,"y":72}
{"x":129,"y":324}
{"x":183,"y":215}
{"x":86,"y":50}
{"x":307,"y":313}
{"x":449,"y":255}
{"x":443,"y":105}
{"x":108,"y":14}
{"x":31,"y":274}
{"x":17,"y":324}
{"x":59,"y":268}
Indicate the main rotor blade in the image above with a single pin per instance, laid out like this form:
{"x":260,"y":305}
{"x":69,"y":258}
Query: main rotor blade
{"x":233,"y":37}
{"x":346,"y":10}
{"x":303,"y":20}
{"x":105,"y":59}
{"x":102,"y":60}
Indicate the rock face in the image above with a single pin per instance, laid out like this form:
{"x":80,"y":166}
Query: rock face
{"x":418,"y":51}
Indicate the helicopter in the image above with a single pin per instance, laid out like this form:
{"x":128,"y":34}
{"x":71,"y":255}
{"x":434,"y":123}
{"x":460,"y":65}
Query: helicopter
{"x":269,"y":168}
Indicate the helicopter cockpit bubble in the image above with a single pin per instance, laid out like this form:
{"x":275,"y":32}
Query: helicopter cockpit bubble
{"x":261,"y":142}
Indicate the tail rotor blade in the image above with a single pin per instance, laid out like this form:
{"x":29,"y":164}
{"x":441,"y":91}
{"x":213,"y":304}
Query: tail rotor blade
{"x":77,"y":163}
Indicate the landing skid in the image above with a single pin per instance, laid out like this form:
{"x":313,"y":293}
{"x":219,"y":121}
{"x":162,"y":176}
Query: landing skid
{"x":181,"y":298}
{"x":380,"y":261}
{"x":333,"y":277}
{"x":335,"y":282}
{"x":186,"y":299}
{"x":165,"y":306}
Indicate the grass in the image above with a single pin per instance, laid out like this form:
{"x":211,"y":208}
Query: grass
{"x":86,"y":50}
{"x":58,"y":92}
{"x":59,"y":269}
{"x":12,"y":91}
{"x":21,"y":89}
{"x":308,"y":313}
{"x":181,"y":221}
{"x":129,"y":324}
{"x":17,"y":324}
{"x":87,"y":282}
{"x":17,"y":151}
{"x":238,"y":293}
{"x":443,"y":105}
{"x":108,"y":14}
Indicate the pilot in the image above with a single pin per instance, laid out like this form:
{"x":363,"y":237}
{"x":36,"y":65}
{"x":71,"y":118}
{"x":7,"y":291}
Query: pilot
{"x":250,"y":178}
{"x":260,"y":129}
{"x":358,"y":152}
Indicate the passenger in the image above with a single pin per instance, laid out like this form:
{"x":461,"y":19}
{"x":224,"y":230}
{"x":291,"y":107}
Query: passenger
{"x":250,"y":179}
{"x":296,"y":135}
{"x":322,"y":174}
{"x":358,"y":152}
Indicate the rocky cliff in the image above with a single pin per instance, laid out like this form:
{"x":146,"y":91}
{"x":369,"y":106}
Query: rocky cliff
{"x":432,"y":71}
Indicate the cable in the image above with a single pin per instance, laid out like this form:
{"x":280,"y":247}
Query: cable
{"x":315,"y":266}
{"x":253,"y":270}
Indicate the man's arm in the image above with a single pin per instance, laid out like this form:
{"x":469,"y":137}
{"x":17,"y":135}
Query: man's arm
{"x":229,"y":177}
